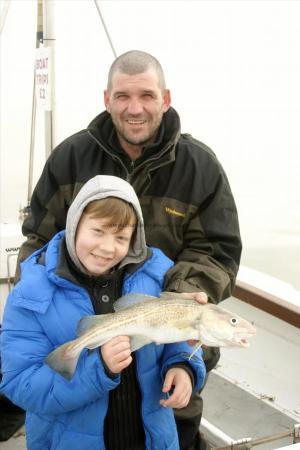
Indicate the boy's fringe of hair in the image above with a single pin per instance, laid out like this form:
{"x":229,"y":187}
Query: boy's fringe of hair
{"x":119,"y":213}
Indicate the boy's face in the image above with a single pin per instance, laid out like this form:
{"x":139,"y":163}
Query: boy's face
{"x":100,"y":246}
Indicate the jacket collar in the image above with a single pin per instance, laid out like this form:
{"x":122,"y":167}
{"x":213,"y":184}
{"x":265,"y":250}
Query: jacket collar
{"x":154,"y":155}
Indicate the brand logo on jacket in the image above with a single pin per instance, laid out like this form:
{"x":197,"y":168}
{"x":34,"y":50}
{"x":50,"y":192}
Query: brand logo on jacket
{"x":174,"y":212}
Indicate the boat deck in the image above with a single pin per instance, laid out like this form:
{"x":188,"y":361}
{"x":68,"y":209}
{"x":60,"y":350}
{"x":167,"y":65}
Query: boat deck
{"x":17,"y":442}
{"x":255,"y":392}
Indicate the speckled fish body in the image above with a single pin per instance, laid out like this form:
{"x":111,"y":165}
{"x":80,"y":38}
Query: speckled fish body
{"x":171,"y":318}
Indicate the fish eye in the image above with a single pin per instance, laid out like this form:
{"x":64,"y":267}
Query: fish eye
{"x":233,"y":321}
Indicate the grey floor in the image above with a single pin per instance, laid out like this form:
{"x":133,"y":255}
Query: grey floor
{"x":17,"y":442}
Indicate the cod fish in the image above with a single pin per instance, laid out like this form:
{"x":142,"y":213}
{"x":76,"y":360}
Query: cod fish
{"x":171,"y":318}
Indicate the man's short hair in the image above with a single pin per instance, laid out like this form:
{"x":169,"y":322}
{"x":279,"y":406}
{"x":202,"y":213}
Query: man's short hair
{"x":135,"y":62}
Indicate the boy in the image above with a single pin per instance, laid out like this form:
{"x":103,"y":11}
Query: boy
{"x":114,"y":401}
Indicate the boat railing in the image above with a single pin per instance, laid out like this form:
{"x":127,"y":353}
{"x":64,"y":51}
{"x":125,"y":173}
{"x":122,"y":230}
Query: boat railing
{"x":248,"y":443}
{"x":281,"y":308}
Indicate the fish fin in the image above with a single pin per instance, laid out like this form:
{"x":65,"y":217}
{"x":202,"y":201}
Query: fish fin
{"x":166,"y":295}
{"x":87,"y":322}
{"x":196,"y":348}
{"x":63,"y":360}
{"x":138,"y":341}
{"x":131,"y":299}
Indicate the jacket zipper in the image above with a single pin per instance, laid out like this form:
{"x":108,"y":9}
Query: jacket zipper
{"x":129,"y":175}
{"x":112,"y":156}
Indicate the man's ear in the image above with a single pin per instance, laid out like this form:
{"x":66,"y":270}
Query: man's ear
{"x":106,"y":100}
{"x":166,"y":100}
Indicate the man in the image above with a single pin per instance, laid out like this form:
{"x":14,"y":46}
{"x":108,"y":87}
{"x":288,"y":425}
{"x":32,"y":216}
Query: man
{"x":188,"y":207}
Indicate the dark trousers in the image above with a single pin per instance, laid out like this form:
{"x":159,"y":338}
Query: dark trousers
{"x":11,"y":418}
{"x":188,"y":419}
{"x":188,"y":422}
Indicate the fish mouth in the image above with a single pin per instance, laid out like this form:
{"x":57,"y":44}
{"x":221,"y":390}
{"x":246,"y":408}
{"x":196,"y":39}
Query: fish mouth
{"x":243,"y":342}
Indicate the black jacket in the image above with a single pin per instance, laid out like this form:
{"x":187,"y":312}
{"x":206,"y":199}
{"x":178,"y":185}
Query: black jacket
{"x":188,"y":207}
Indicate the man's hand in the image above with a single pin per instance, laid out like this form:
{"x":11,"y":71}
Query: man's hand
{"x":202,"y":298}
{"x":179,"y":381}
{"x":116,"y":353}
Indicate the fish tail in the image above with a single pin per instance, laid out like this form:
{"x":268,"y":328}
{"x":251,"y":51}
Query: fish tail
{"x":64,"y":359}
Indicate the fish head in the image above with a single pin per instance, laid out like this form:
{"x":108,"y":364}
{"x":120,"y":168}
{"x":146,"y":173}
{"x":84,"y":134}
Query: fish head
{"x":221,"y":328}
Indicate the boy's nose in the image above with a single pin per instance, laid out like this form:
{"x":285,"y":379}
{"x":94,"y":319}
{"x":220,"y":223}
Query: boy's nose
{"x":107,"y":245}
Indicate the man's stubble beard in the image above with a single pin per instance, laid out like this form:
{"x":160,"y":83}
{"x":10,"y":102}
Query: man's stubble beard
{"x":140,"y":142}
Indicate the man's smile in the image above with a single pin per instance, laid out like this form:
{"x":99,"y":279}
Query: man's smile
{"x":135,"y":122}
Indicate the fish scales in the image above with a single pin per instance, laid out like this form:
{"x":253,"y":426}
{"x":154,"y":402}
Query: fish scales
{"x":152,"y":313}
{"x":172,"y":318}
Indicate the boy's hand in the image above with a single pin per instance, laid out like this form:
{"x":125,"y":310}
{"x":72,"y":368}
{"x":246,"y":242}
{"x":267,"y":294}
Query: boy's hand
{"x":116,"y":353}
{"x":178,"y":380}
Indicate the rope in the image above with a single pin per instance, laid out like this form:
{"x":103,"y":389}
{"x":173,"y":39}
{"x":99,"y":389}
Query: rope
{"x":3,"y":15}
{"x":105,"y":29}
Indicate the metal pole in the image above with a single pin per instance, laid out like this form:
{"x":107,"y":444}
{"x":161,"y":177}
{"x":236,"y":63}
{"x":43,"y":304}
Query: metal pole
{"x":211,"y":430}
{"x":39,"y":34}
{"x":48,"y":33}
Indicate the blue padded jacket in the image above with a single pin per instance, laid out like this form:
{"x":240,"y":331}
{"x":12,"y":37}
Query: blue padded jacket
{"x":41,"y":313}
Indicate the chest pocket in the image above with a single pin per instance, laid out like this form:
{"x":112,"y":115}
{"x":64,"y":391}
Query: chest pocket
{"x":66,"y":309}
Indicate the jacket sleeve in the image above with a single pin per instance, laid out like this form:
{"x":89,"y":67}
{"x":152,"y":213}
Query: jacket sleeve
{"x":30,"y":383}
{"x":210,"y":255}
{"x":177,"y":353}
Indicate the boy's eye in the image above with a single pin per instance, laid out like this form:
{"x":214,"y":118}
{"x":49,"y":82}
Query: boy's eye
{"x":97,"y":231}
{"x":123,"y":238}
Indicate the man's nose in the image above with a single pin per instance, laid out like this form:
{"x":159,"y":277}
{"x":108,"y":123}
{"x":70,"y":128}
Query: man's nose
{"x":135,"y":106}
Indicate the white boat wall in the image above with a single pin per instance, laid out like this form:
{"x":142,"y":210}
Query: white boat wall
{"x":11,"y":239}
{"x":236,"y":90}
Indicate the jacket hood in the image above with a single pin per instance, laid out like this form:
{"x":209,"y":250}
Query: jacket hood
{"x":97,"y":188}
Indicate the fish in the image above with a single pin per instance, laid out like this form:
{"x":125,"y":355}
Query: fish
{"x":172,"y":317}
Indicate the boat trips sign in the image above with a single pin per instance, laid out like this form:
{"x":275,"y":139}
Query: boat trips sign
{"x":43,"y":77}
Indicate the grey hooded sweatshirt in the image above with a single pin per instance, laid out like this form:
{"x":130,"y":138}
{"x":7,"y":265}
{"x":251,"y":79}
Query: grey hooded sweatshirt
{"x":97,"y":188}
{"x":123,"y":422}
{"x":125,"y":401}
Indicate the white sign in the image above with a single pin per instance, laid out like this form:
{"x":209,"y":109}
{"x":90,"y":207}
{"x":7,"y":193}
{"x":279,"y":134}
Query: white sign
{"x":43,"y":78}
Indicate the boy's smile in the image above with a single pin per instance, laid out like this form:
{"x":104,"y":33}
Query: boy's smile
{"x":100,"y":246}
